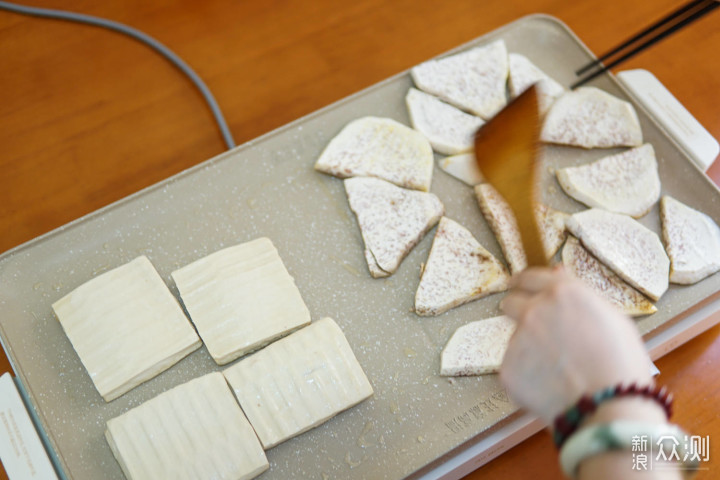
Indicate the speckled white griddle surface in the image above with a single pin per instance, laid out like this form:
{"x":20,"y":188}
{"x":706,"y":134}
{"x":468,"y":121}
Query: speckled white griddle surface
{"x":268,"y":188}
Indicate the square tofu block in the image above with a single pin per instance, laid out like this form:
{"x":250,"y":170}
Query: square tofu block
{"x":241,"y":298}
{"x":298,"y":382}
{"x":126,"y":327}
{"x":193,"y":431}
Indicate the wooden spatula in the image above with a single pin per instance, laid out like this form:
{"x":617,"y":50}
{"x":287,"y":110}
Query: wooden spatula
{"x":507,"y":150}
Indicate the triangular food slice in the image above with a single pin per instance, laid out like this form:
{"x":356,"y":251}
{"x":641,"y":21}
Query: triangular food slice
{"x":524,"y":73}
{"x":448,"y":129}
{"x":382,"y":148}
{"x":392,"y":220}
{"x":631,"y":250}
{"x":195,"y":430}
{"x":458,"y":270}
{"x":552,"y":228}
{"x":241,"y":298}
{"x":591,"y":118}
{"x":692,"y":240}
{"x":579,"y":263}
{"x":478,"y":347}
{"x":126,"y":327}
{"x":501,"y":220}
{"x":474,"y":80}
{"x":298,"y":382}
{"x":626,"y":182}
{"x":463,"y":167}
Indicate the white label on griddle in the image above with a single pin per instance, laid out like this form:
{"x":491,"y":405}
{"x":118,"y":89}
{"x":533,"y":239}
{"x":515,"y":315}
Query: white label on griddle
{"x":21,"y":451}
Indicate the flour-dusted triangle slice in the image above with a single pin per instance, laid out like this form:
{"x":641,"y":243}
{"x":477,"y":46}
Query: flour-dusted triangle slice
{"x":501,"y":220}
{"x":126,"y":327}
{"x":392,"y":220}
{"x":591,"y":118}
{"x":241,"y":298}
{"x":477,"y":348}
{"x":631,"y":250}
{"x":524,"y":73}
{"x":627,"y":182}
{"x":382,"y":148}
{"x":448,"y":129}
{"x":579,"y":263}
{"x":299,"y":382}
{"x":692,"y":240}
{"x":458,"y":270}
{"x":463,"y":167}
{"x":473,"y":80}
{"x":373,"y":267}
{"x":552,"y":228}
{"x":193,"y":431}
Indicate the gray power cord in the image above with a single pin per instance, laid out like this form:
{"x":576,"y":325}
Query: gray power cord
{"x":141,"y":37}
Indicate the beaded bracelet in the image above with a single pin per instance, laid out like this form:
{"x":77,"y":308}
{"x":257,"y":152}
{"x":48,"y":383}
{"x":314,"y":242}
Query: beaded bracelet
{"x":567,"y":422}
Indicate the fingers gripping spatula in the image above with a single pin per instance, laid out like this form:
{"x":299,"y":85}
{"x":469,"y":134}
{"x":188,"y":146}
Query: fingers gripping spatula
{"x":507,"y":150}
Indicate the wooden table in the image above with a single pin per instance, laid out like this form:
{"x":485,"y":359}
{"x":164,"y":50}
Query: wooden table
{"x":88,"y":117}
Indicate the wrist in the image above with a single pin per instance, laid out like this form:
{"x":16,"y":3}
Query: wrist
{"x":607,"y":450}
{"x":615,"y":464}
{"x":598,"y":434}
{"x":611,"y":403}
{"x":627,"y":408}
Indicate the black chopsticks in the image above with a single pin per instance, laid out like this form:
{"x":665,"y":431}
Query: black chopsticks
{"x":669,"y":24}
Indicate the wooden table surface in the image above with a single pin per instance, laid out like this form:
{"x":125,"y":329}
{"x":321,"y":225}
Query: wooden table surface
{"x":88,"y":117}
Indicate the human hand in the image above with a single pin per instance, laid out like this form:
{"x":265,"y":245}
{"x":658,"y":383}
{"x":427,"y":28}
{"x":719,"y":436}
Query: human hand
{"x":569,"y":342}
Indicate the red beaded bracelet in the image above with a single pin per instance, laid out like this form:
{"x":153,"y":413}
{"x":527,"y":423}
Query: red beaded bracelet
{"x":568,"y":422}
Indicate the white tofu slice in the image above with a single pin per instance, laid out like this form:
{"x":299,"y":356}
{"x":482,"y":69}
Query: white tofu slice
{"x":299,"y":382}
{"x":552,"y":228}
{"x":382,"y":148}
{"x":448,"y":129}
{"x":501,"y":220}
{"x":195,"y":431}
{"x":477,"y":348}
{"x":241,"y":298}
{"x":463,"y":167}
{"x":126,"y":327}
{"x":631,"y":250}
{"x":692,"y":240}
{"x":627,"y":182}
{"x":579,"y":263}
{"x":591,"y":118}
{"x":473,"y":80}
{"x":458,"y":270}
{"x":392,"y":220}
{"x":524,"y":73}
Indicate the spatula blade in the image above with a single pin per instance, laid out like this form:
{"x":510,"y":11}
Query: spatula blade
{"x":507,"y":150}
